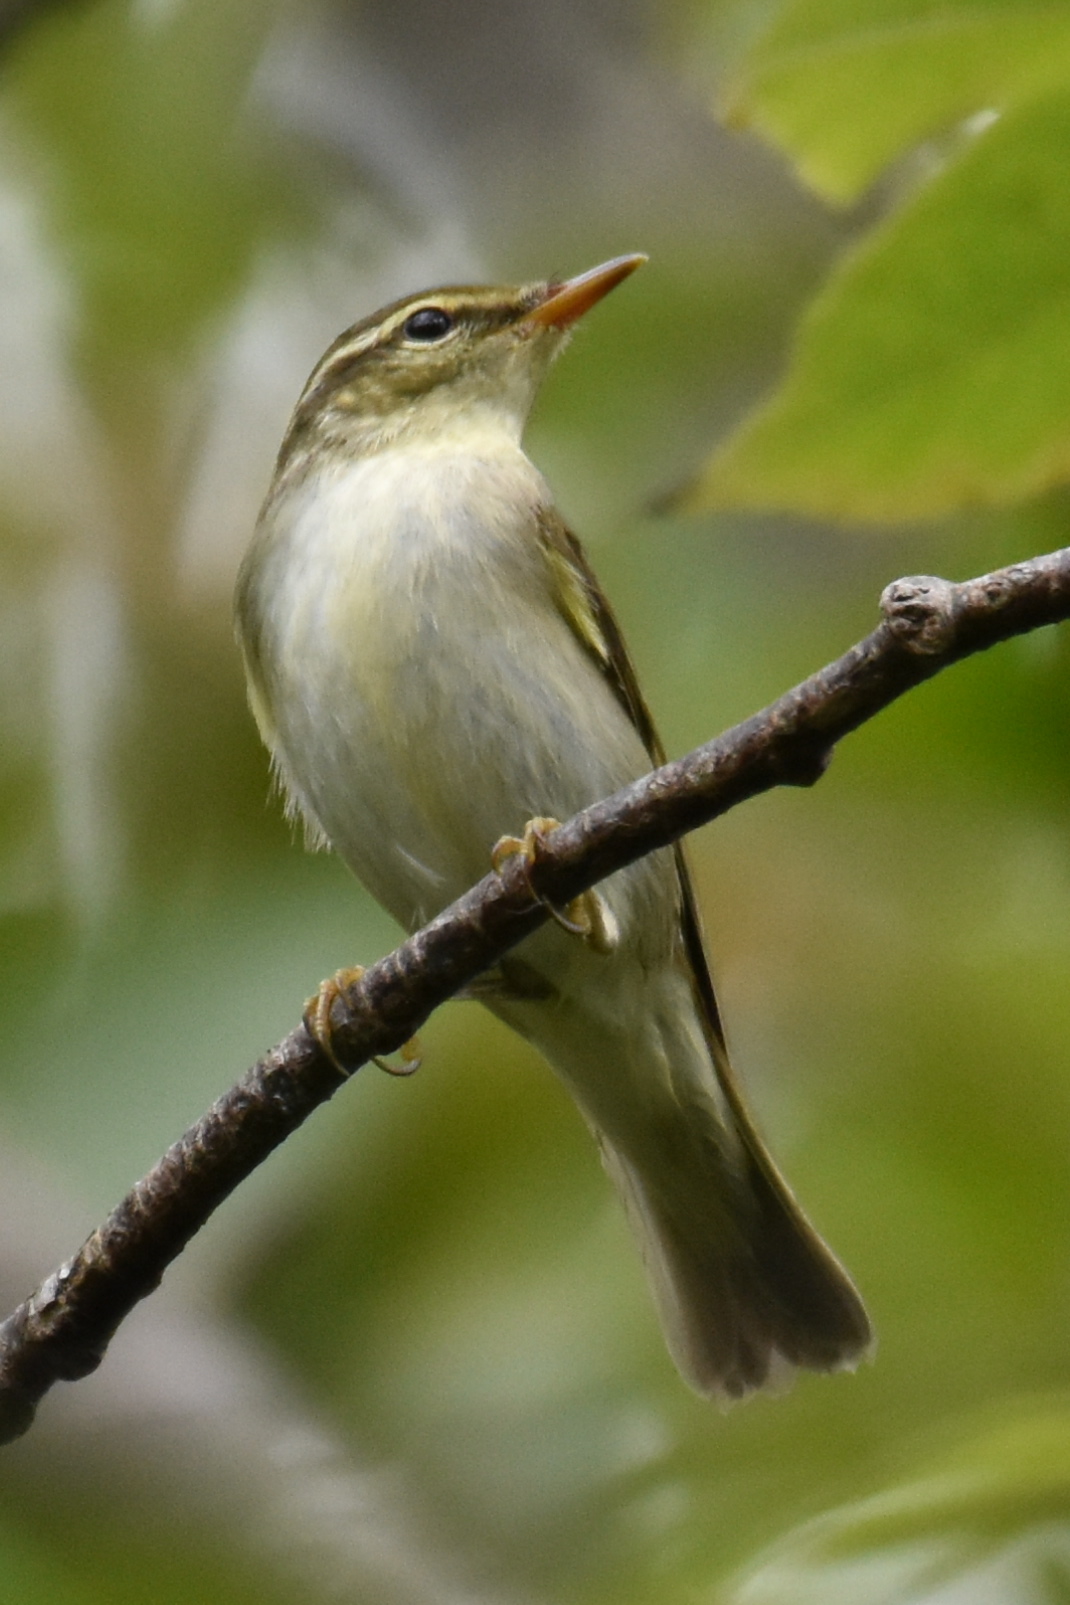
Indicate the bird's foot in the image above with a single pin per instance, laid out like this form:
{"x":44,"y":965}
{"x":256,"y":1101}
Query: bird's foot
{"x":587,"y":916}
{"x":318,"y":1021}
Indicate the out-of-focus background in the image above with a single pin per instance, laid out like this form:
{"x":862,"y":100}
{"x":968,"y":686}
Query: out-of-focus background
{"x":414,"y":1360}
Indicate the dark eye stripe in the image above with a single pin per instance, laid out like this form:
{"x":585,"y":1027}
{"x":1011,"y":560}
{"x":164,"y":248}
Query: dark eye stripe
{"x":429,"y":323}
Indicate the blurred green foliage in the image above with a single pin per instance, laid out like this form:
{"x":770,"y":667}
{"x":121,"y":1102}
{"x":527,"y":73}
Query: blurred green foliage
{"x":986,"y":1520}
{"x":414,"y":1359}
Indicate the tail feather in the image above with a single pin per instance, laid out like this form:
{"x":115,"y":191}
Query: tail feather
{"x":745,"y":1287}
{"x":743,"y":1296}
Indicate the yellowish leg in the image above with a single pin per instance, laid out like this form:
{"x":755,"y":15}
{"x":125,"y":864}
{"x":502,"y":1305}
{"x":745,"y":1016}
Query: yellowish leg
{"x":318,"y":1021}
{"x":587,"y":916}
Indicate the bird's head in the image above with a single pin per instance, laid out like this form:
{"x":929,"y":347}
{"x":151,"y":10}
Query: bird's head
{"x":434,"y":364}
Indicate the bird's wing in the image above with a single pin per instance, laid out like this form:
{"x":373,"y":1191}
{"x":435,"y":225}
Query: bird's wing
{"x":584,"y":606}
{"x":794,"y":1296}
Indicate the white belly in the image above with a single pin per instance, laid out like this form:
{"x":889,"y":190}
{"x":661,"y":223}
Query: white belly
{"x":418,"y":711}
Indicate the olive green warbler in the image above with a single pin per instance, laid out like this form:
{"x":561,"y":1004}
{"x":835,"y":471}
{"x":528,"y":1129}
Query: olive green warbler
{"x":432,"y":663}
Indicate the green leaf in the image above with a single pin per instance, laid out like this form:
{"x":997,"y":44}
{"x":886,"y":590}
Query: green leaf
{"x":932,"y":373}
{"x":986,"y":1521}
{"x":844,"y":89}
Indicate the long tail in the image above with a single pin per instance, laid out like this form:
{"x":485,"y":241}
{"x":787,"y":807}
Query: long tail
{"x":743,"y":1284}
{"x":745,"y":1290}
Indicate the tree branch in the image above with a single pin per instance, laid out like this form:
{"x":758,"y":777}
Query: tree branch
{"x":63,"y":1329}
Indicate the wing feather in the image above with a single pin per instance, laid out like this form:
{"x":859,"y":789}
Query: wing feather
{"x":793,"y":1296}
{"x":584,"y":605}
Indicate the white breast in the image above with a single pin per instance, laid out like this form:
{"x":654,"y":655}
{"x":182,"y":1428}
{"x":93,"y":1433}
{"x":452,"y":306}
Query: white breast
{"x":427,"y":695}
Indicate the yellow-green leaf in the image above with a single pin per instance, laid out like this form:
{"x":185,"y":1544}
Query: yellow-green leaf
{"x":844,"y":89}
{"x":932,"y":373}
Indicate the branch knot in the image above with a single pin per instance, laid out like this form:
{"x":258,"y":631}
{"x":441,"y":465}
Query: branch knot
{"x":921,"y":613}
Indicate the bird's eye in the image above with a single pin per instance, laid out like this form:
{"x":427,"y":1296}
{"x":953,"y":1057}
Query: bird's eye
{"x":430,"y":323}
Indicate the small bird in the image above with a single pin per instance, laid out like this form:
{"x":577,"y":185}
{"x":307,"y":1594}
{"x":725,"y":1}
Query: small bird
{"x":433,"y":665}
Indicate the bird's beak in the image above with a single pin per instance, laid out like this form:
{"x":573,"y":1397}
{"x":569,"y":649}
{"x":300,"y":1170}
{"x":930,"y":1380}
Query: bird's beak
{"x":566,"y":302}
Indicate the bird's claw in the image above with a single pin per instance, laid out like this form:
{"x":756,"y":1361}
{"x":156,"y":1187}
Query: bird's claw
{"x":587,"y":916}
{"x":318,"y":1021}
